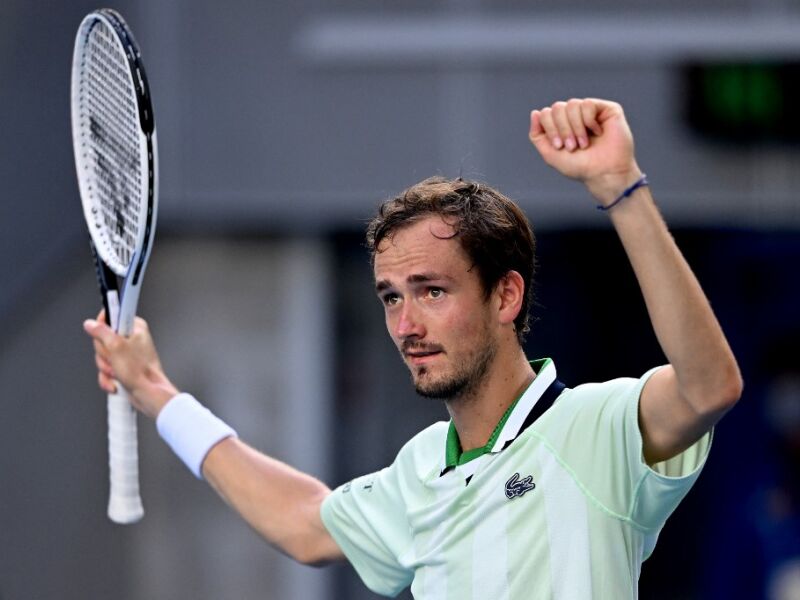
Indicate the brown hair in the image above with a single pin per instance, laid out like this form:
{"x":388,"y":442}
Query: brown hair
{"x":492,"y":230}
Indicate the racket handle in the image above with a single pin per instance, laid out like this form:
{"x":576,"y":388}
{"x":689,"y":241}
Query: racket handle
{"x":124,"y":502}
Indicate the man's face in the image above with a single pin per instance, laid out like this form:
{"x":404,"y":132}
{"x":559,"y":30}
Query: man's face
{"x":436,"y":310}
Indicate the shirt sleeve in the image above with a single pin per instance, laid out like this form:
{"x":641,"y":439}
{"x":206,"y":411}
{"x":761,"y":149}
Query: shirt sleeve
{"x":367,"y":518}
{"x":662,"y":486}
{"x":596,"y":433}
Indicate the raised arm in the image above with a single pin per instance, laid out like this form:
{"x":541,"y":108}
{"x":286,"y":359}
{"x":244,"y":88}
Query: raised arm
{"x":279,"y":502}
{"x":590,"y":140}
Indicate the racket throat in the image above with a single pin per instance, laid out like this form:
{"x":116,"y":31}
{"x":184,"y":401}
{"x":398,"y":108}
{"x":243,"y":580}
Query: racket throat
{"x":112,"y":309}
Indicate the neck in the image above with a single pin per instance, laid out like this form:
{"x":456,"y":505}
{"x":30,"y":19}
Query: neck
{"x":476,"y":415}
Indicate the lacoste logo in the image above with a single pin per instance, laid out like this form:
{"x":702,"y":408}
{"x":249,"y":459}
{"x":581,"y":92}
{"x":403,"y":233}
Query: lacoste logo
{"x":516,"y":487}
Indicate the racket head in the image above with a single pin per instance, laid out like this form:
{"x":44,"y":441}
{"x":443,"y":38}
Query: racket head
{"x":114,"y":140}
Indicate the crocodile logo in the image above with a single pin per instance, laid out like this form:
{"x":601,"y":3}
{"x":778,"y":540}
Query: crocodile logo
{"x":516,"y":487}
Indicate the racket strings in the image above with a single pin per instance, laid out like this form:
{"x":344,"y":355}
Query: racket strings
{"x":109,"y":126}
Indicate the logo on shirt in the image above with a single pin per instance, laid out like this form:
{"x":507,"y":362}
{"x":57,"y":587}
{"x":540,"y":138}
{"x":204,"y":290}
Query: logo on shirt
{"x":516,"y":487}
{"x":367,"y":485}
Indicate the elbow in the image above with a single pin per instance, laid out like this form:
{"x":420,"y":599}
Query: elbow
{"x":738,"y":388}
{"x":309,"y":542}
{"x":316,"y":561}
{"x":313,"y":554}
{"x":305,"y":556}
{"x":712,"y":397}
{"x":722,"y":394}
{"x":731,"y":388}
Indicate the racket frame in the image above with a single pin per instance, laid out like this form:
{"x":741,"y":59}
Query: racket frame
{"x":120,"y":301}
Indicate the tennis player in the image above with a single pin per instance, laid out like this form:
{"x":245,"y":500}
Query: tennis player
{"x":532,"y":490}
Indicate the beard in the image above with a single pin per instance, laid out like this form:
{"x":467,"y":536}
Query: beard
{"x":463,"y":382}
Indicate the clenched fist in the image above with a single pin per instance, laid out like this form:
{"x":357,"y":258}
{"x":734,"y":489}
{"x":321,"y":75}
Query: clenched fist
{"x":588,"y":140}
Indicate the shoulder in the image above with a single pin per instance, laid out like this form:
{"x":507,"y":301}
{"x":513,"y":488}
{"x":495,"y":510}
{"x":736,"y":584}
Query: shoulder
{"x":593,"y":415}
{"x":619,"y":394}
{"x":424,"y":452}
{"x":389,"y":489}
{"x":598,"y":391}
{"x":432,"y":434}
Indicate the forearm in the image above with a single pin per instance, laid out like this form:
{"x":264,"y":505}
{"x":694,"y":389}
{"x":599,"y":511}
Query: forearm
{"x":684,"y":323}
{"x":680,"y":403}
{"x":279,"y":502}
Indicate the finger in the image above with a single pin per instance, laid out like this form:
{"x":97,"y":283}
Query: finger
{"x":538,"y":137}
{"x":563,"y":126}
{"x":589,"y":111}
{"x":140,"y":327}
{"x":107,"y":384}
{"x":103,"y":365}
{"x":101,"y":350}
{"x":536,"y":130}
{"x":550,"y":129}
{"x":576,"y":122}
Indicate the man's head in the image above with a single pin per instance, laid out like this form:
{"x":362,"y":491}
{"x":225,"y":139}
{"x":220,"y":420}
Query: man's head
{"x":492,"y":230}
{"x":453,"y":266}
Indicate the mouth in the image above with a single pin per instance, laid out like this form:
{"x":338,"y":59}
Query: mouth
{"x":419,"y":357}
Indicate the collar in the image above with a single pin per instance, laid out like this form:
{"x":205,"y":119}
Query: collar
{"x":536,"y":399}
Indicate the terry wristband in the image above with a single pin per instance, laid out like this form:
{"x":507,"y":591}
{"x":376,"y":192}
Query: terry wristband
{"x":191,"y":430}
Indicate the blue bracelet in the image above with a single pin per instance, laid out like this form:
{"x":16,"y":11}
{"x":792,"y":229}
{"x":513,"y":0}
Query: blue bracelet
{"x":642,"y":181}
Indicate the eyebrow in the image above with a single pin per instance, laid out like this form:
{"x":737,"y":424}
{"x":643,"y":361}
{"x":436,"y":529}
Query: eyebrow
{"x":385,"y":284}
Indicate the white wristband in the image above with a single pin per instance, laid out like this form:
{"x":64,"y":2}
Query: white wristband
{"x":191,"y":430}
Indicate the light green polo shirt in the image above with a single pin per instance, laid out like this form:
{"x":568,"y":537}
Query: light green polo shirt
{"x":562,"y":508}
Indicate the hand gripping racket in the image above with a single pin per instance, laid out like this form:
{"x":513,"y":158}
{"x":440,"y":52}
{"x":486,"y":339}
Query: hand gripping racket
{"x":114,"y":138}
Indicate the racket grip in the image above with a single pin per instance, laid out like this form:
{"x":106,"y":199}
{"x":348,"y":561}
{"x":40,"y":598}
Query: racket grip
{"x":124,"y":502}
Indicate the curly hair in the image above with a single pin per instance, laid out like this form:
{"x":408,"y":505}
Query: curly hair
{"x":492,"y":230}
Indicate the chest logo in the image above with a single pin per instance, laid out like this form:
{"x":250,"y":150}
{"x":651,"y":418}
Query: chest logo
{"x":516,"y":487}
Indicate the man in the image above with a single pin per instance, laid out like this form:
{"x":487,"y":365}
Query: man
{"x":531,"y":491}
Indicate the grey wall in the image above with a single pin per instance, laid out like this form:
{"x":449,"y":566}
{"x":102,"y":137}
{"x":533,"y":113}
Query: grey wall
{"x":288,"y":119}
{"x":302,"y":115}
{"x":237,"y":323}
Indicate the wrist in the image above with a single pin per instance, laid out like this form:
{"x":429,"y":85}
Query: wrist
{"x":607,"y":187}
{"x":153,"y":393}
{"x":191,"y":430}
{"x":160,"y":396}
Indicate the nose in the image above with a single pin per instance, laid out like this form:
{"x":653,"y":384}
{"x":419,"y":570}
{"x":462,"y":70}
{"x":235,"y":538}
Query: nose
{"x":408,"y":323}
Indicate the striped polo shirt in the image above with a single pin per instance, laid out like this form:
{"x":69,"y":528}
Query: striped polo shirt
{"x":559,"y":503}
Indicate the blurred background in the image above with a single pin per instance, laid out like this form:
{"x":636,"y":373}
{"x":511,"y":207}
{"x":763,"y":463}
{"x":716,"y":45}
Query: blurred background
{"x":281,"y":126}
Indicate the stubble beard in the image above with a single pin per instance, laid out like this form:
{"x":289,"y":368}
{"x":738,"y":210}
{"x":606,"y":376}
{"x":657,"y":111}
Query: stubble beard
{"x":464,"y":382}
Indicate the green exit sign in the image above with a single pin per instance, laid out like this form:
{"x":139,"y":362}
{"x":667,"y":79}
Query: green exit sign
{"x":744,"y":102}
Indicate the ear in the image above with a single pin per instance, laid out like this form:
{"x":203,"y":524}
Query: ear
{"x":509,"y":293}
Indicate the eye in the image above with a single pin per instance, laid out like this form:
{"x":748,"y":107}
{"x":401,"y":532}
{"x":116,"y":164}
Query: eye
{"x":390,"y":299}
{"x":435,"y":293}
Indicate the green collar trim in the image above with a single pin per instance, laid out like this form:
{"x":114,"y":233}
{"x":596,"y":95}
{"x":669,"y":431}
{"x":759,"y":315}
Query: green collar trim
{"x":454,"y":456}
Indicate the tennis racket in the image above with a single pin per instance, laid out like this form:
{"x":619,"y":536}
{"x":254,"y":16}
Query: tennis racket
{"x":114,"y":139}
